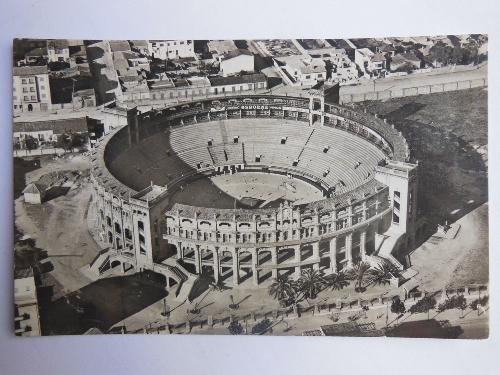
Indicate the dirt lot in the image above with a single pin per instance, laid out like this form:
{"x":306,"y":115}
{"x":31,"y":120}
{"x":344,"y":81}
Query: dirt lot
{"x":456,"y":262}
{"x":448,"y":135}
{"x":59,"y":225}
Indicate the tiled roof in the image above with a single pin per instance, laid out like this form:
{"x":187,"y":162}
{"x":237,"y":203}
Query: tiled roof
{"x":378,"y":57}
{"x":22,"y":273}
{"x":235,"y":80}
{"x":24,"y":71}
{"x":139,"y":43}
{"x":57,"y":126}
{"x":57,"y":43}
{"x":236,"y":53}
{"x":34,"y":188}
{"x":41,"y":51}
{"x":119,"y":45}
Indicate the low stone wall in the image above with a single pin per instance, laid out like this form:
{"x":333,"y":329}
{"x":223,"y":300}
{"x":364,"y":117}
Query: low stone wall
{"x":352,"y":306}
{"x":39,"y":152}
{"x":413,"y":91}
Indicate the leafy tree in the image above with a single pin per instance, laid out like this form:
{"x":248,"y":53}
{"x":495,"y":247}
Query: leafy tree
{"x":26,"y":254}
{"x":457,"y":55}
{"x":359,"y":273}
{"x":397,"y":307}
{"x":310,"y":283}
{"x":31,"y":143}
{"x":423,"y":305}
{"x":407,"y":67}
{"x":235,"y":328}
{"x":283,"y":289}
{"x":78,"y":140}
{"x":470,"y":54}
{"x":337,"y":281}
{"x":454,"y":302}
{"x":64,"y":141}
{"x":478,"y":301}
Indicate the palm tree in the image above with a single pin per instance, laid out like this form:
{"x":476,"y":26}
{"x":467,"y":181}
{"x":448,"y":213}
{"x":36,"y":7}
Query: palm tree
{"x":337,"y":281}
{"x":310,"y":283}
{"x":283,"y":289}
{"x":382,"y":274}
{"x":358,"y":273}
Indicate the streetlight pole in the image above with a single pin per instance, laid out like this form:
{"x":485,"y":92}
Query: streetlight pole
{"x":164,"y":312}
{"x":387,"y":315}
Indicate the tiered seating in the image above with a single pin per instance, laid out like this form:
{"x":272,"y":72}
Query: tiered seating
{"x":228,"y":154}
{"x":398,"y":143}
{"x":349,"y":159}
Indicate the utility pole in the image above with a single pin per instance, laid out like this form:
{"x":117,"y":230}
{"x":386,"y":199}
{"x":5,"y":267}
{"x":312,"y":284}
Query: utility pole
{"x":164,"y":312}
{"x":387,"y":315}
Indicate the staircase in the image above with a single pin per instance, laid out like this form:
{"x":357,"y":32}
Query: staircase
{"x":210,"y":154}
{"x":385,"y":244}
{"x":100,"y":263}
{"x":223,"y":132}
{"x":185,"y":279}
{"x":305,"y":144}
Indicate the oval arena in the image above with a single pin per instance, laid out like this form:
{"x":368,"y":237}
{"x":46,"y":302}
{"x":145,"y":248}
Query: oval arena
{"x":252,"y":187}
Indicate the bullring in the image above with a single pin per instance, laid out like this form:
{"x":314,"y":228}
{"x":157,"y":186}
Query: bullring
{"x":362,"y":203}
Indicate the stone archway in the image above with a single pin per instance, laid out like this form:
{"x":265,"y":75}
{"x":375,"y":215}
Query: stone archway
{"x":226,"y":264}
{"x":264,"y":258}
{"x":245,"y":265}
{"x":286,"y":254}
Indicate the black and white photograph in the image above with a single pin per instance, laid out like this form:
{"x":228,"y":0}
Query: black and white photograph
{"x":335,"y":186}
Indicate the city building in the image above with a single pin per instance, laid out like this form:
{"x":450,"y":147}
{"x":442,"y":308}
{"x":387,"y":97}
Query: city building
{"x":140,"y":46}
{"x":26,"y":314}
{"x":404,"y":62}
{"x":342,"y":69}
{"x":36,"y":55}
{"x":170,"y":49}
{"x":31,"y":89}
{"x":221,"y":47}
{"x":299,"y":70}
{"x":78,"y":55}
{"x":134,"y":87}
{"x":139,"y":63}
{"x":84,"y":98}
{"x":119,"y":45}
{"x":102,"y":68}
{"x":236,"y":61}
{"x":371,"y":64}
{"x":58,"y":50}
{"x":235,"y":84}
{"x":167,"y":88}
{"x":23,"y":46}
{"x":202,"y":87}
{"x":46,"y":133}
{"x":34,"y":193}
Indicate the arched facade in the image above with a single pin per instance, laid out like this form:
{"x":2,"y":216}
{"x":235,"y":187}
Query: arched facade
{"x":368,"y":222}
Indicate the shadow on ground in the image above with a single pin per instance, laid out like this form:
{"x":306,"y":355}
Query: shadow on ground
{"x":100,"y":304}
{"x":426,"y":329}
{"x":443,"y":132}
